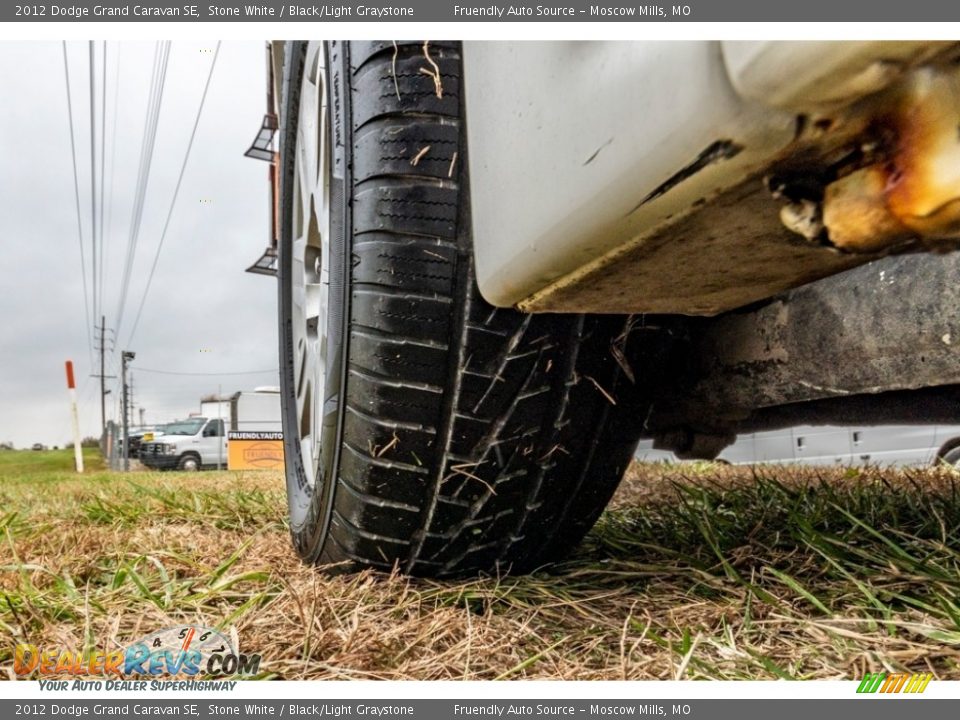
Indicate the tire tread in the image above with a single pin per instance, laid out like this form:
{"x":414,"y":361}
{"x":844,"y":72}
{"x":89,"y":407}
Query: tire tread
{"x":463,"y":423}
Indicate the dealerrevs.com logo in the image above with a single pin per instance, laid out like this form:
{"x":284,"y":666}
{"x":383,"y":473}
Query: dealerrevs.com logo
{"x":184,"y":650}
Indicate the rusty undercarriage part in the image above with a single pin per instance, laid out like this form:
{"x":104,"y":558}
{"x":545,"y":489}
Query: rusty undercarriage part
{"x":904,"y":182}
{"x":729,"y":253}
{"x":872,"y":337}
{"x":858,"y":182}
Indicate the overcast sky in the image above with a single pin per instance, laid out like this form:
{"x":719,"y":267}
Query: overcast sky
{"x":203,"y":314}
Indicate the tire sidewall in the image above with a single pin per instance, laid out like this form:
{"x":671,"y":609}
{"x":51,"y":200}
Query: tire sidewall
{"x":310,"y":507}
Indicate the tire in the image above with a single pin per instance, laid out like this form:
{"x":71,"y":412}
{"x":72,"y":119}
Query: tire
{"x":951,"y":456}
{"x":452,"y":437}
{"x":189,"y":463}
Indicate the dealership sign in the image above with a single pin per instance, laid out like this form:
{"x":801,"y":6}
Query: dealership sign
{"x":254,"y":450}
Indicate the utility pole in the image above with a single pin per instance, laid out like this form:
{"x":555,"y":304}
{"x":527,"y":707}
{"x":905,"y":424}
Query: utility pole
{"x":132,"y":400}
{"x":103,"y":376}
{"x":103,"y":386}
{"x":125,"y":357}
{"x":142,"y":423}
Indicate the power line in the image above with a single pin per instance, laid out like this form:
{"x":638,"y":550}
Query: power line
{"x":103,"y":158}
{"x":76,"y":195}
{"x":208,"y":374}
{"x":142,"y":170}
{"x":113,"y":164}
{"x":143,"y":177}
{"x":176,"y":192}
{"x":93,"y":178}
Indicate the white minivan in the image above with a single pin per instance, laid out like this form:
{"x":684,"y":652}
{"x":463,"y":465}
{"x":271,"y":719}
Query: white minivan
{"x":896,"y":445}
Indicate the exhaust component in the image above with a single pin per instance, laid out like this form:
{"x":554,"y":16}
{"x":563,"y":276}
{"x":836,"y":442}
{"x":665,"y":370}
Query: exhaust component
{"x":914,"y":192}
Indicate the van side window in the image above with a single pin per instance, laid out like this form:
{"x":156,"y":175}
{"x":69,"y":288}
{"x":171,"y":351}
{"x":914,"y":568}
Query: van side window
{"x":214,"y":428}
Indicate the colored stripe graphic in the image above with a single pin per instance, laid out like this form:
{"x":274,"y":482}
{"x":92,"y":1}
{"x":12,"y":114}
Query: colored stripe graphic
{"x":871,"y":682}
{"x":913,"y":683}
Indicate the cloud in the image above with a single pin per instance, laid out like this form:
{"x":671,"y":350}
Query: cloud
{"x":203,"y":313}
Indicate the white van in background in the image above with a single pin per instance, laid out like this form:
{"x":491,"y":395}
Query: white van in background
{"x":899,"y":445}
{"x":188,"y":445}
{"x":201,"y":441}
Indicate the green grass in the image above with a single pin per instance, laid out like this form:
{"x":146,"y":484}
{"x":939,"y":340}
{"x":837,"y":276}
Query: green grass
{"x":33,"y":462}
{"x":873,"y":557}
{"x":695,"y":571}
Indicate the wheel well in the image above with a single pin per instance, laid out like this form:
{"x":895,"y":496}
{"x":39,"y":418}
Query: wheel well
{"x":948,"y":446}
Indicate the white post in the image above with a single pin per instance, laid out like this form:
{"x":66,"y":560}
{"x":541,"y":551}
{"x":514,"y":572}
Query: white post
{"x":72,"y":387}
{"x":220,"y":440}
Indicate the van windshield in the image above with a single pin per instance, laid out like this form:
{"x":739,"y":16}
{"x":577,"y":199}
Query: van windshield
{"x":184,"y":427}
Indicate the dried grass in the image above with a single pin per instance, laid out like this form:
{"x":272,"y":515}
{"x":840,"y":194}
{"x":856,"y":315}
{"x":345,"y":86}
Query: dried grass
{"x":695,"y":571}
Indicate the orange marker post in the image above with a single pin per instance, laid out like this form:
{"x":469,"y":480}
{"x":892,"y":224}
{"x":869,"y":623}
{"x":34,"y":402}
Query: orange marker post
{"x":72,"y":387}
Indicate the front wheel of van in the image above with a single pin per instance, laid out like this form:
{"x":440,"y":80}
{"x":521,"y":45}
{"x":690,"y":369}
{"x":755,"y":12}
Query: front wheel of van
{"x":189,"y":463}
